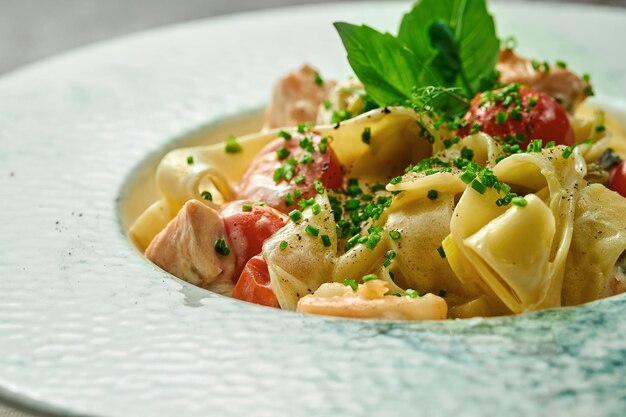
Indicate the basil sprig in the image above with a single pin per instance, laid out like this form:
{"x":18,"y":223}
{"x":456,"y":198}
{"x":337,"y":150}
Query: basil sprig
{"x":443,"y":43}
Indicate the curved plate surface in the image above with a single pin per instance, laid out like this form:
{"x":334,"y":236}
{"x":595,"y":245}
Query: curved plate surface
{"x":88,"y":327}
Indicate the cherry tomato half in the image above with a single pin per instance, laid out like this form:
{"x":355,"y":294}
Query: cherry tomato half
{"x":617,"y":180}
{"x":248,"y":229}
{"x":254,"y":284}
{"x":302,"y":153}
{"x":531,"y":113}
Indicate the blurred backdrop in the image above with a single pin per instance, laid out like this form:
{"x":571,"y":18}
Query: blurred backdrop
{"x":35,"y":29}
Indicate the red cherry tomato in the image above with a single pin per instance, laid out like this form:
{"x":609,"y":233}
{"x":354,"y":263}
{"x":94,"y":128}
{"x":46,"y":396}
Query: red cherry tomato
{"x":254,"y":284}
{"x":247,"y":230}
{"x":541,"y":117}
{"x":617,"y":180}
{"x":258,"y":182}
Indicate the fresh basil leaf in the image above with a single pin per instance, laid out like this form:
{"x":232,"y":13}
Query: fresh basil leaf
{"x":447,"y":61}
{"x":474,"y":35}
{"x":387,"y":69}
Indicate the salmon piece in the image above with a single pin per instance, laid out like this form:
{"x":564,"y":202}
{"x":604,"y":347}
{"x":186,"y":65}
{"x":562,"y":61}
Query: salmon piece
{"x":296,"y":98}
{"x":370,"y":301}
{"x":186,"y":249}
{"x":562,"y":84}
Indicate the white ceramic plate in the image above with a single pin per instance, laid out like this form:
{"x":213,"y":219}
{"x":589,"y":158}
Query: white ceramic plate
{"x":88,"y":327}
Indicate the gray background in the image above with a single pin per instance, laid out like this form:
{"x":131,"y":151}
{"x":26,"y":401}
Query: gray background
{"x":34,"y":29}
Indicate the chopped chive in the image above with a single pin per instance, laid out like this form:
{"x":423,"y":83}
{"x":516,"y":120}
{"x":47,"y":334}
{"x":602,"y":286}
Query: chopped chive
{"x":278,"y":174}
{"x":372,"y":241}
{"x":283,"y":245}
{"x":317,"y":78}
{"x":366,"y":136}
{"x":295,"y":215}
{"x":467,"y":177}
{"x":352,"y":242}
{"x":600,"y":128}
{"x":232,"y":146}
{"x":410,"y":292}
{"x":306,"y":144}
{"x":441,"y":252}
{"x":297,"y":193}
{"x":289,"y":200}
{"x":327,"y":104}
{"x":377,"y":187}
{"x":370,"y":277}
{"x":561,"y":64}
{"x":261,"y":204}
{"x":550,"y":144}
{"x":432,"y":194}
{"x":395,"y":234}
{"x":326,"y":240}
{"x":190,"y":160}
{"x":323,"y":145}
{"x":313,"y":231}
{"x":307,"y":159}
{"x":501,"y":117}
{"x":479,"y":186}
{"x":207,"y":195}
{"x":352,"y":204}
{"x":318,"y":187}
{"x":284,"y":135}
{"x":390,"y":254}
{"x":301,"y":127}
{"x":534,"y":145}
{"x":467,"y":153}
{"x":306,"y":203}
{"x":316,"y":209}
{"x":519,"y":201}
{"x":376,"y":229}
{"x":282,"y":153}
{"x":299,"y":179}
{"x":396,"y":180}
{"x":349,"y":282}
{"x":220,"y":247}
{"x":246,"y":207}
{"x":567,"y":152}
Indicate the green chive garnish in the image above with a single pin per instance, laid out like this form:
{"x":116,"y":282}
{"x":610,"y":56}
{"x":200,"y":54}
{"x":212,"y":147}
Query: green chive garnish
{"x":349,"y":282}
{"x":410,"y":292}
{"x":313,"y":231}
{"x":370,"y":277}
{"x":220,"y":247}
{"x":282,"y":153}
{"x":394,"y":234}
{"x":232,"y":146}
{"x":295,"y":215}
{"x":366,"y":136}
{"x":519,"y":201}
{"x":284,"y":135}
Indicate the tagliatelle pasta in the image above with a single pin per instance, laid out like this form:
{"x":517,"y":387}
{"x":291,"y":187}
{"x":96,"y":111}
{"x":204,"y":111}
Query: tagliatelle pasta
{"x":406,"y":200}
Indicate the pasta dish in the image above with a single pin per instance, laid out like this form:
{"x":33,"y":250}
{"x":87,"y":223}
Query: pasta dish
{"x":451,"y":177}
